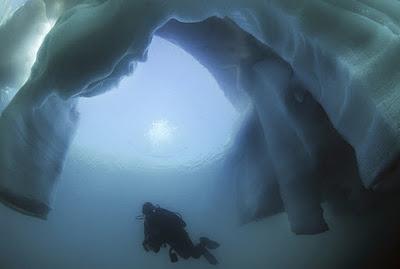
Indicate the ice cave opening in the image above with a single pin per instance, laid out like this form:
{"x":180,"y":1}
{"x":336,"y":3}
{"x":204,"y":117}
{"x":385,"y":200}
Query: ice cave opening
{"x":171,"y":113}
{"x":316,"y":155}
{"x":156,"y":137}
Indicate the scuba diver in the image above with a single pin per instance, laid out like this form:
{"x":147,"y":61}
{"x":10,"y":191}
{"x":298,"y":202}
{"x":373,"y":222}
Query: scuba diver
{"x":163,"y":227}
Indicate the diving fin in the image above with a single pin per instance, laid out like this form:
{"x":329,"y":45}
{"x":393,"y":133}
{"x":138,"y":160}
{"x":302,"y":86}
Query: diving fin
{"x":209,"y":257}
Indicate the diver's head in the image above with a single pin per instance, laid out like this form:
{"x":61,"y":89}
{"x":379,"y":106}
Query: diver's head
{"x":148,"y":208}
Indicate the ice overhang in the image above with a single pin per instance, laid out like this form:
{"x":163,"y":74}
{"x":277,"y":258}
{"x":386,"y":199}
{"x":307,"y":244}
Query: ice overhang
{"x":322,"y":76}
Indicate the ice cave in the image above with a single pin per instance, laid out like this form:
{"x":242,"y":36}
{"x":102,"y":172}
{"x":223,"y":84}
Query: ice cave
{"x":270,"y":125}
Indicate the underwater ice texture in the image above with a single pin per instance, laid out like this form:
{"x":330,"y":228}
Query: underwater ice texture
{"x":322,"y":76}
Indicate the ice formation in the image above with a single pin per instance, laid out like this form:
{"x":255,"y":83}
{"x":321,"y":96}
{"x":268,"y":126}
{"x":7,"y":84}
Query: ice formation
{"x":321,"y":74}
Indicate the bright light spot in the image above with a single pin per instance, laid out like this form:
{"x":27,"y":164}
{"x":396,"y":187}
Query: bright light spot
{"x":31,"y":55}
{"x":170,"y":113}
{"x":37,"y":42}
{"x":161,"y":132}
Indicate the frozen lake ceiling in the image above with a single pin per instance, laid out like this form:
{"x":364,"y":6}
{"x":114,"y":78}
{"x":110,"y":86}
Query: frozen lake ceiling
{"x":322,"y":77}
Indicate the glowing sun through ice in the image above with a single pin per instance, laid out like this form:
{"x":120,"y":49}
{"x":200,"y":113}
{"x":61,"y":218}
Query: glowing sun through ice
{"x":160,"y":132}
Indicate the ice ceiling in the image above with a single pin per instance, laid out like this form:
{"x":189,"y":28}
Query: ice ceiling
{"x":322,"y":76}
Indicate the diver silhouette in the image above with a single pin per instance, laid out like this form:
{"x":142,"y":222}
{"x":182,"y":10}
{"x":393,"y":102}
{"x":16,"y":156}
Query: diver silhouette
{"x":163,"y":227}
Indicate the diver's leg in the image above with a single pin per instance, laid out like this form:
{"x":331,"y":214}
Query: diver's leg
{"x":201,"y":250}
{"x":156,"y":248}
{"x":184,"y":252}
{"x":198,"y":250}
{"x":185,"y":248}
{"x":182,"y":244}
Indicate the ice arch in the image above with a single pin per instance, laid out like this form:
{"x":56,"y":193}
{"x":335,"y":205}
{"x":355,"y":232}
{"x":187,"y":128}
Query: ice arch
{"x":321,"y":53}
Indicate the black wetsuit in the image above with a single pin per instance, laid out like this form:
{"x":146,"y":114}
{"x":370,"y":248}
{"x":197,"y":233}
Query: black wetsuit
{"x":163,"y":227}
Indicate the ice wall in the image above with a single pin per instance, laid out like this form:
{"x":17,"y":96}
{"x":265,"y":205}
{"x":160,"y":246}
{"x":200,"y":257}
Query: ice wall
{"x":280,"y":129}
{"x":34,"y":139}
{"x":220,"y":46}
{"x":250,"y":166}
{"x":21,"y":37}
{"x":343,"y":52}
{"x":310,"y":69}
{"x":33,"y":151}
{"x":5,"y":10}
{"x":330,"y":49}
